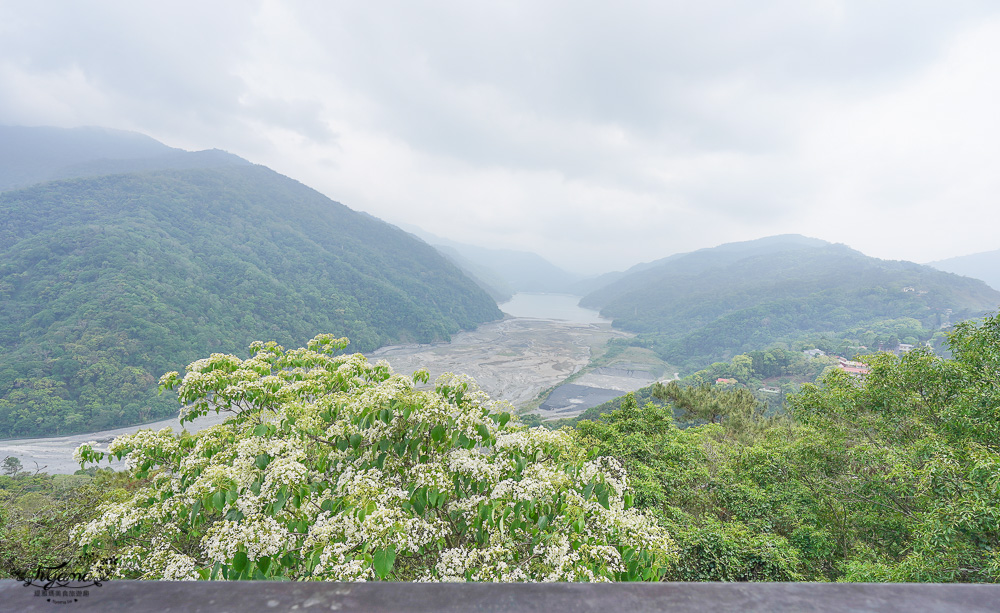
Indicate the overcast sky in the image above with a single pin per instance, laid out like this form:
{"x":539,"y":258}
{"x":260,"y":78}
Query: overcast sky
{"x":596,"y":134}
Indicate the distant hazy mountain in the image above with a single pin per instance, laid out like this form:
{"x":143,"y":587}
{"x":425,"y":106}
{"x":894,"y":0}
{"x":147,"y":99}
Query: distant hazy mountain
{"x":713,"y":303}
{"x":490,"y":280}
{"x":984,"y":266}
{"x":503,"y":270}
{"x":108,"y":281}
{"x":33,"y":155}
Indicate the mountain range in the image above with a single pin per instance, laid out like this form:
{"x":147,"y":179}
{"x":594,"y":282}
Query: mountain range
{"x":713,"y":303}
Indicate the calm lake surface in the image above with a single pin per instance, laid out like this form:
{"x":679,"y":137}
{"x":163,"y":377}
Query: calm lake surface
{"x":551,"y":306}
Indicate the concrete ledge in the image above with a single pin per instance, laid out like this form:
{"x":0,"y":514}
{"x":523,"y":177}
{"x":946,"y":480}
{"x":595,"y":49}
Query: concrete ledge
{"x":253,"y":597}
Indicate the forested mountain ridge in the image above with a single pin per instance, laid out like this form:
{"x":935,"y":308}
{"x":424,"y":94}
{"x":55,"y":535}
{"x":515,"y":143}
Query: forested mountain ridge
{"x":712,"y":304}
{"x":109,"y":281}
{"x":642,"y":275}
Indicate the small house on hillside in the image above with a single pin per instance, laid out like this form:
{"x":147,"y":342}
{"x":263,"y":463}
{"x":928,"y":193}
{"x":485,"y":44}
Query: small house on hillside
{"x":858,"y":369}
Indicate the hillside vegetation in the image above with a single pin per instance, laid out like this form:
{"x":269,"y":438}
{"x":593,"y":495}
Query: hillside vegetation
{"x":889,"y":478}
{"x":109,"y":281}
{"x":709,"y":305}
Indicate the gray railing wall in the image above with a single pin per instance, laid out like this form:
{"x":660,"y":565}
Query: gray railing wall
{"x":254,"y":597}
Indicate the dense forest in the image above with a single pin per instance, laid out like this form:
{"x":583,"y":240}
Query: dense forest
{"x":109,"y":281}
{"x":698,"y":308}
{"x":335,"y":469}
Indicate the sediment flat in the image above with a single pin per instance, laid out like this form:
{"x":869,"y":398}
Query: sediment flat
{"x":515,"y":359}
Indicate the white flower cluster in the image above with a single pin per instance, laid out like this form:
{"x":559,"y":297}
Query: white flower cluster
{"x":170,"y":566}
{"x":608,"y":468}
{"x":472,"y":463}
{"x":258,"y":536}
{"x":535,"y":440}
{"x":493,"y":563}
{"x":510,"y":508}
{"x":284,"y":471}
{"x":563,"y":563}
{"x":540,"y":481}
{"x":78,"y":453}
{"x":145,"y":444}
{"x":116,"y":519}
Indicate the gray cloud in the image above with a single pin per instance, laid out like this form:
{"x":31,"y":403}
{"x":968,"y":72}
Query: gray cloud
{"x":554,"y":126}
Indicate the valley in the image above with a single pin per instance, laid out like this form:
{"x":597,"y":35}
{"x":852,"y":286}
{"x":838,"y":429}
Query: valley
{"x":517,"y":359}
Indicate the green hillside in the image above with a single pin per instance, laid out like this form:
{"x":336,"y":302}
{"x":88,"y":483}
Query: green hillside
{"x":715,"y":303}
{"x":109,"y":281}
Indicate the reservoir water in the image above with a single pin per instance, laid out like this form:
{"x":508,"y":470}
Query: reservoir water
{"x":562,"y":307}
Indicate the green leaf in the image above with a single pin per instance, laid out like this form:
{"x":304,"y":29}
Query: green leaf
{"x":383,"y":561}
{"x":437,"y":433}
{"x":195,"y":508}
{"x":262,"y":461}
{"x":280,"y":498}
{"x":240,"y":561}
{"x":355,"y":440}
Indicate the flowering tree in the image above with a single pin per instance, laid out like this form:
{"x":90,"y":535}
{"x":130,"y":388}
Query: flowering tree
{"x":333,"y":468}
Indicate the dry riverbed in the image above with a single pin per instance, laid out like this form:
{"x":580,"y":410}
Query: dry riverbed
{"x":518,"y":359}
